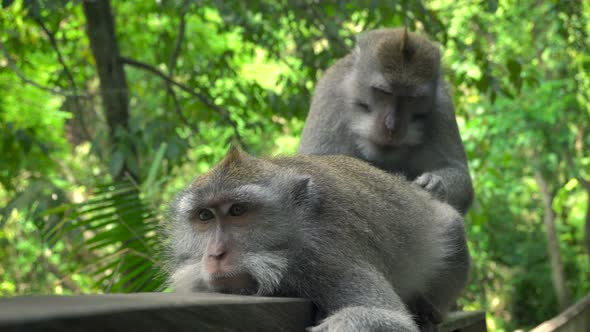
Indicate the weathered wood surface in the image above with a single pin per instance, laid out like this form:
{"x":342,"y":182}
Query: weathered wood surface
{"x":465,"y":321}
{"x":154,"y":312}
{"x":175,"y":312}
{"x":574,"y":319}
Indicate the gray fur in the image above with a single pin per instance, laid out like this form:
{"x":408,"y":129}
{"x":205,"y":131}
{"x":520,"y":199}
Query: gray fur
{"x":430,"y":152}
{"x":357,"y":241}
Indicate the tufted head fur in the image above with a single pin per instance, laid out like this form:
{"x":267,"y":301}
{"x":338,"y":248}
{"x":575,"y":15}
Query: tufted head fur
{"x":401,"y":56}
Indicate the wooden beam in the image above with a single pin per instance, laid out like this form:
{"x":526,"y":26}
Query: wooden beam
{"x":154,"y":312}
{"x":465,"y":321}
{"x":575,"y":318}
{"x":148,"y":312}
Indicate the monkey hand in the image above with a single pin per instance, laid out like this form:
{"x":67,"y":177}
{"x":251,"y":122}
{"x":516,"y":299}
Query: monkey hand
{"x":353,"y":319}
{"x":432,"y":183}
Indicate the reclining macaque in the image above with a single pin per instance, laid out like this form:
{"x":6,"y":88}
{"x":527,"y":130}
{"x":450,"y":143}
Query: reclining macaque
{"x":362,"y":244}
{"x":387,"y":103}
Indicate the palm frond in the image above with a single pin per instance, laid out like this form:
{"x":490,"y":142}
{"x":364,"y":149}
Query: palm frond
{"x":118,"y":231}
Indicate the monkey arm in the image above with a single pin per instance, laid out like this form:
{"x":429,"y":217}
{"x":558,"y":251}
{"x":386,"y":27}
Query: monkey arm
{"x":364,"y":318}
{"x":443,"y":162}
{"x":364,"y":302}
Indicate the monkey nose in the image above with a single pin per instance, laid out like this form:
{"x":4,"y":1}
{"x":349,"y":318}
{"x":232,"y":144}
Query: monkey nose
{"x":390,"y":123}
{"x":217,"y":255}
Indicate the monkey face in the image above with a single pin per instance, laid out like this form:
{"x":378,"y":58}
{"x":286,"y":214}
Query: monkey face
{"x":229,"y":231}
{"x":392,"y":87}
{"x":386,"y":118}
{"x":232,"y":230}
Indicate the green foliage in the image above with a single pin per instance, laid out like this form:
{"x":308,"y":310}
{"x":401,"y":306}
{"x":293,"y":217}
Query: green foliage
{"x":519,"y":71}
{"x":31,"y":266}
{"x":116,"y":223}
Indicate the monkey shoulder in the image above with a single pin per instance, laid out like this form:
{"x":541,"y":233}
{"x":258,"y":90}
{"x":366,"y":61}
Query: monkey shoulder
{"x":351,"y":173}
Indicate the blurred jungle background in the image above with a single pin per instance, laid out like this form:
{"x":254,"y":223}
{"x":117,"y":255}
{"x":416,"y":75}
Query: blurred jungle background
{"x":107,"y":110}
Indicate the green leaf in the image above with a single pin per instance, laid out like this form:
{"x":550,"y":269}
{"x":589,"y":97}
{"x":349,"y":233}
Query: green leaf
{"x":114,"y":220}
{"x":514,"y":69}
{"x":149,"y":184}
{"x":7,"y":3}
{"x":33,"y":7}
{"x":117,"y":162}
{"x":492,"y":6}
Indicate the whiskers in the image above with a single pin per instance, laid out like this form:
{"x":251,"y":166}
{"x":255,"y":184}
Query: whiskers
{"x":267,"y":269}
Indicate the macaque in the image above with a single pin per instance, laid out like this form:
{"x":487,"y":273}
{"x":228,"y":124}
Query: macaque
{"x":387,"y":103}
{"x":362,"y":244}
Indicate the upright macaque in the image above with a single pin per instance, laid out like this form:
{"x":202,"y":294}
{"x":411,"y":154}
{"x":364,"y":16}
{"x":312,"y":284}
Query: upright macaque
{"x":362,"y":244}
{"x":387,"y":103}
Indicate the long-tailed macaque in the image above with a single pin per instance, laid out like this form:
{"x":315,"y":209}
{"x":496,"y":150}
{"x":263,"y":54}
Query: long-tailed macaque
{"x":387,"y":103}
{"x":362,"y":244}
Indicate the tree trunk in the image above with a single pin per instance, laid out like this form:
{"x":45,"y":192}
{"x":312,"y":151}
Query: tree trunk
{"x":557,"y":271}
{"x":100,"y":28}
{"x":587,"y":224}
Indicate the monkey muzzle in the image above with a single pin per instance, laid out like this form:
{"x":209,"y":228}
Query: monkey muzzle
{"x":233,"y":283}
{"x":391,"y":128}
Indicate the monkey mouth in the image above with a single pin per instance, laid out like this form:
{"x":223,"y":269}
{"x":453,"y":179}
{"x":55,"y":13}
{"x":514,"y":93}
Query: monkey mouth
{"x":224,"y":276}
{"x":234,"y":282}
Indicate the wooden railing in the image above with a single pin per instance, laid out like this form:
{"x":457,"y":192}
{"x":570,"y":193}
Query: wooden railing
{"x":574,"y":319}
{"x":147,"y":312}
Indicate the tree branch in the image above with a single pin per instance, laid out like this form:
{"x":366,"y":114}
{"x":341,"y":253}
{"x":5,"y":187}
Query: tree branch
{"x":60,"y":57}
{"x":179,"y":38}
{"x":557,"y":272}
{"x":172,"y":67}
{"x":70,"y":77}
{"x":178,"y":109}
{"x":331,"y":34}
{"x":24,"y":78}
{"x":204,"y":99}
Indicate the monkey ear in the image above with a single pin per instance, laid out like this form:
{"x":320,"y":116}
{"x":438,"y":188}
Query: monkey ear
{"x":361,"y":40}
{"x":405,"y":48}
{"x":234,"y":155}
{"x":356,"y":53}
{"x":234,"y":149}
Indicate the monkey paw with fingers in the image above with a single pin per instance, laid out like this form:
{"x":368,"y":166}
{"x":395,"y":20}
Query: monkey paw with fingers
{"x":432,"y":183}
{"x":356,"y":319}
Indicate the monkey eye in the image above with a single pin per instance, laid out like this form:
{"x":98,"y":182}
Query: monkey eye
{"x":382,"y":90}
{"x":419,"y":116}
{"x":237,"y":210}
{"x":205,"y":215}
{"x":363,"y":106}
